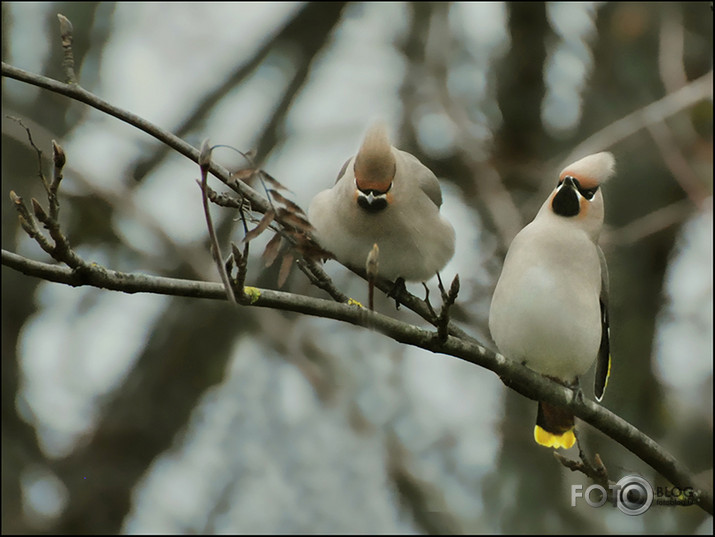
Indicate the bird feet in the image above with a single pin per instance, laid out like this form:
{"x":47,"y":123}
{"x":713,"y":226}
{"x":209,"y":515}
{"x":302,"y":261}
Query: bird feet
{"x":397,"y":289}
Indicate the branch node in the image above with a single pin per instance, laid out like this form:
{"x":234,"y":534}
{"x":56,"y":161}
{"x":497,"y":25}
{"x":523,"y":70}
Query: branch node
{"x":448,"y":301}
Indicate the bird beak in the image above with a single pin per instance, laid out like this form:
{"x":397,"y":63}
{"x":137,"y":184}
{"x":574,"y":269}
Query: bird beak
{"x":372,"y":201}
{"x":568,"y":181}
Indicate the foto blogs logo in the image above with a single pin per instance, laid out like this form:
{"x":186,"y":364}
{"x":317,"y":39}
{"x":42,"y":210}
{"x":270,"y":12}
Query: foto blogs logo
{"x":633,"y":495}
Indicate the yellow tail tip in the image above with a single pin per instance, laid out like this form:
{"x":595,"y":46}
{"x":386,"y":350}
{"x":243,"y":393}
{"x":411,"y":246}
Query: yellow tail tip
{"x":556,"y":441}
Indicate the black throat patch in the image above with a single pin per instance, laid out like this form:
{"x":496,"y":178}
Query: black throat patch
{"x":566,"y":202}
{"x":372,"y":201}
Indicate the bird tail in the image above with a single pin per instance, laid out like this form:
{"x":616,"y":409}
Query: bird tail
{"x":554,"y":427}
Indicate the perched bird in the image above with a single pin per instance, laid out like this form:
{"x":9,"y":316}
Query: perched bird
{"x":550,"y":306}
{"x":387,"y":197}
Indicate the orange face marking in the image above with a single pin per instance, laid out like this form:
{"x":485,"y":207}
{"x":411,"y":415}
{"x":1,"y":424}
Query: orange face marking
{"x":583,"y":211}
{"x":584,"y":180}
{"x":381,"y":185}
{"x":374,"y":177}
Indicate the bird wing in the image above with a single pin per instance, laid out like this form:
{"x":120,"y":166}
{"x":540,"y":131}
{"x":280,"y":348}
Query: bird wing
{"x":603,"y":363}
{"x":342,"y":170}
{"x":427,"y":181}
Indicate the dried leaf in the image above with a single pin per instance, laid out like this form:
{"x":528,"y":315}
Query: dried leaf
{"x":261,"y":227}
{"x":272,"y":248}
{"x":286,"y":266}
{"x":272,"y":181}
{"x":246,"y":174}
{"x":295,"y":220}
{"x":311,"y":250}
{"x":285,"y":201}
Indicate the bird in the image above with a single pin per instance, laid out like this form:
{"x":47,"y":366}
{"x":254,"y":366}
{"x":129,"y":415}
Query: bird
{"x":549,"y":309}
{"x":386,"y":197}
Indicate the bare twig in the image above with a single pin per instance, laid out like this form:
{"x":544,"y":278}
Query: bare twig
{"x":652,"y":222}
{"x":59,"y":159}
{"x":37,"y":150}
{"x":320,"y":279}
{"x":204,"y":163}
{"x":258,"y":202}
{"x":61,"y":250}
{"x":596,"y":471}
{"x":677,"y":163}
{"x":448,"y":301}
{"x":655,"y":112}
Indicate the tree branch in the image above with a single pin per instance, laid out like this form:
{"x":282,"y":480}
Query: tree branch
{"x":257,"y":201}
{"x":514,"y":375}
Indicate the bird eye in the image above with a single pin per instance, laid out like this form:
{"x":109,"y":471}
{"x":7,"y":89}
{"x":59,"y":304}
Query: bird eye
{"x":587,"y":193}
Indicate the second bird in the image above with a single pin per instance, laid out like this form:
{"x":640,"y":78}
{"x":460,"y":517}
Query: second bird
{"x":550,"y":306}
{"x":387,"y":197}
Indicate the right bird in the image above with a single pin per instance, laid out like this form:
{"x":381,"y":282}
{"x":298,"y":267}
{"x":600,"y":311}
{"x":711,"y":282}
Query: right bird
{"x":550,"y":306}
{"x":386,"y":197}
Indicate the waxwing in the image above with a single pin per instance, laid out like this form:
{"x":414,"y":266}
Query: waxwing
{"x":386,"y":197}
{"x":550,"y":306}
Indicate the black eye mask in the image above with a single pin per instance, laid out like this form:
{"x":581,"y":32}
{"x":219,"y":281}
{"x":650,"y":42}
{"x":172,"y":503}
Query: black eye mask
{"x":587,"y":193}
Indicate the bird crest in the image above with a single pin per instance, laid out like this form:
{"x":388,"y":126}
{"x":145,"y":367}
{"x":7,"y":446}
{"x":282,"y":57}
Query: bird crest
{"x":591,"y":171}
{"x":375,"y":162}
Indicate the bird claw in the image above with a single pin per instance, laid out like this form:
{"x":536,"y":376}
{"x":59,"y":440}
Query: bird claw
{"x":578,"y":396}
{"x":397,"y":289}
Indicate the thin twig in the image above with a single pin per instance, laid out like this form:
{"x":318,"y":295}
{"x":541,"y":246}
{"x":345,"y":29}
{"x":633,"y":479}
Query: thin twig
{"x":655,"y":112}
{"x":448,"y":301}
{"x":204,"y":163}
{"x":38,"y":151}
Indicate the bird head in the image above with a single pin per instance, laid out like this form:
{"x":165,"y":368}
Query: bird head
{"x":577,"y":196}
{"x":374,"y":169}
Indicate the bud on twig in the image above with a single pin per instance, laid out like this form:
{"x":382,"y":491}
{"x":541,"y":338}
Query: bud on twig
{"x":371,"y":265}
{"x":205,"y":154}
{"x":66,"y":36}
{"x":66,"y":29}
{"x":454,"y":289}
{"x":17,"y":200}
{"x":58,"y":155}
{"x":39,"y":211}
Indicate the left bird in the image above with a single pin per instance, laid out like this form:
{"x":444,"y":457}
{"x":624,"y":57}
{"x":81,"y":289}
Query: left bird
{"x":387,"y":197}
